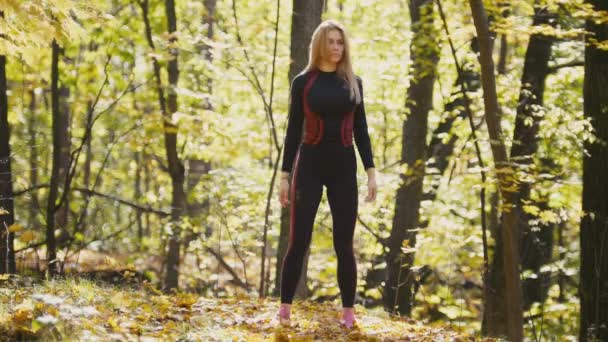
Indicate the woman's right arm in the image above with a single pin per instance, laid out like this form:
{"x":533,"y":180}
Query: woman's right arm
{"x":295,"y":121}
{"x":292,"y":137}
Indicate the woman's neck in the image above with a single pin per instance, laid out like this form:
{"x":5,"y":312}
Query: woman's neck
{"x":327,"y":67}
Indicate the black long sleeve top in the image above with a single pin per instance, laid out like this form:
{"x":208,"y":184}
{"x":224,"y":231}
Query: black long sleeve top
{"x":329,"y":97}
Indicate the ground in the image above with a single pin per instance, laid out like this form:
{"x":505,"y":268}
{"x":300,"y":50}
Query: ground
{"x":78,"y":309}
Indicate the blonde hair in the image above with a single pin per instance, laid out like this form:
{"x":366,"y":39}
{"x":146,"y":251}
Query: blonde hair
{"x":319,"y":48}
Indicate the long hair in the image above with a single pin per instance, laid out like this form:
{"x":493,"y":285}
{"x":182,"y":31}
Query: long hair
{"x":319,"y":48}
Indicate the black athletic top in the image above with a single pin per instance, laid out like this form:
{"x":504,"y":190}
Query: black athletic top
{"x":328,"y":97}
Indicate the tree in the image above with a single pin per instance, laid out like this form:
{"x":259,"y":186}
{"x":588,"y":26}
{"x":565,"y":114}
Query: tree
{"x":424,"y":56}
{"x":305,"y":17}
{"x":51,"y":254}
{"x":506,"y":177}
{"x":7,"y":215}
{"x":536,"y":244}
{"x":168,"y":106}
{"x":176,"y":167}
{"x":594,"y":224}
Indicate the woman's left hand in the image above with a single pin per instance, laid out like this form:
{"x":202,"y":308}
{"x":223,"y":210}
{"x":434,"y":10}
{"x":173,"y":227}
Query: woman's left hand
{"x":372,"y":187}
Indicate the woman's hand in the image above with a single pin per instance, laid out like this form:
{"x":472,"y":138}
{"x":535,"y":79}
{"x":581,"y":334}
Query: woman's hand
{"x":372,"y":187}
{"x":284,"y":190}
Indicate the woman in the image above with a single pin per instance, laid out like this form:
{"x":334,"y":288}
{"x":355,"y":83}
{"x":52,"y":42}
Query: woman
{"x":326,"y":108}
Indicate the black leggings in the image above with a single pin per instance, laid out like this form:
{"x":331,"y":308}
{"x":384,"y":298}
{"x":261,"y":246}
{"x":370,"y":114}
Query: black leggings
{"x":332,"y":165}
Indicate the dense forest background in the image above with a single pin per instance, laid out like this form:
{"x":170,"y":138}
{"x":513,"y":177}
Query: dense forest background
{"x":143,"y":137}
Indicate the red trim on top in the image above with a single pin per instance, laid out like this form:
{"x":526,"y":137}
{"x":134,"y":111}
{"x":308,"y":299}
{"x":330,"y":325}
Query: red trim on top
{"x":319,"y":132}
{"x":346,"y":129}
{"x":314,"y":124}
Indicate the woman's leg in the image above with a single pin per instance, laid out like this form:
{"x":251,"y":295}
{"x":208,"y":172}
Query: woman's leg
{"x":304,"y":202}
{"x":342,"y":195}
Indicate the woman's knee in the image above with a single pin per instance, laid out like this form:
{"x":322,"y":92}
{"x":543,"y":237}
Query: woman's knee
{"x":344,"y":251}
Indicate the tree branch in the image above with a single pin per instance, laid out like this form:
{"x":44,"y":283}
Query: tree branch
{"x":124,"y":202}
{"x":227,"y":267}
{"x":555,"y":68}
{"x":374,"y":234}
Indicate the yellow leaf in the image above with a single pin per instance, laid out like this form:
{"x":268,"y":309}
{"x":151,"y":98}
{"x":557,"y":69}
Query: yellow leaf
{"x":547,"y":216}
{"x":185,"y":300}
{"x":15,"y":227}
{"x":531,"y":209}
{"x":21,"y":316}
{"x":120,"y":301}
{"x":27,"y":236}
{"x":113,"y":324}
{"x":2,"y":210}
{"x":405,"y":243}
{"x":407,"y":250}
{"x":151,"y":288}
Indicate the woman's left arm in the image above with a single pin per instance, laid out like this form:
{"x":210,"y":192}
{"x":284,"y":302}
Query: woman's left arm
{"x":364,"y":145}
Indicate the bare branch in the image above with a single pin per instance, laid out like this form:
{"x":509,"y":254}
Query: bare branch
{"x":374,"y":234}
{"x":227,"y":267}
{"x":556,"y":67}
{"x":122,"y":201}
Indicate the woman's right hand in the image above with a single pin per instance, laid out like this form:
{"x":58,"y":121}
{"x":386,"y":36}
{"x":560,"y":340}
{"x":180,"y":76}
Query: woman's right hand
{"x":284,"y":192}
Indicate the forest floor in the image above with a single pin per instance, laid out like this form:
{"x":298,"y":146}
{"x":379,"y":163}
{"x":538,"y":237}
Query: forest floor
{"x":79,"y":309}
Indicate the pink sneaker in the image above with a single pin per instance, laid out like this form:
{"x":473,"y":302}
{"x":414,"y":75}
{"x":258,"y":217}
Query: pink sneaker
{"x":284,"y":315}
{"x":348,"y":318}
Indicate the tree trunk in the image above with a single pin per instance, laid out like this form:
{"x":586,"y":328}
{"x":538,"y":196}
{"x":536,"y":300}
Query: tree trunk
{"x":494,"y":321}
{"x":305,"y":18}
{"x":138,"y":194}
{"x":176,"y":168}
{"x":81,"y":222}
{"x":424,"y":56}
{"x":197,"y":168}
{"x":534,"y":245}
{"x":594,"y":224}
{"x":440,"y":151}
{"x":63,"y":136}
{"x":209,"y":20}
{"x":51,"y":253}
{"x":7,"y":215}
{"x":506,"y":180}
{"x":503,"y":52}
{"x":34,"y":207}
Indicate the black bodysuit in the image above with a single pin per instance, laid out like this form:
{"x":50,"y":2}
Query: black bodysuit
{"x":319,"y":152}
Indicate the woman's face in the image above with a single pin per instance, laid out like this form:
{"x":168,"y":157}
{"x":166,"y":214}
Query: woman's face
{"x":335,"y":44}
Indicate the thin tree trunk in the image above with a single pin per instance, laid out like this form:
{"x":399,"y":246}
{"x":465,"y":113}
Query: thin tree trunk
{"x":440,"y":151}
{"x":502,"y":56}
{"x":209,"y":20}
{"x":509,"y":224}
{"x":197,"y":168}
{"x":424,"y":56}
{"x":594,"y":224}
{"x":147,"y":180}
{"x":265,"y":245}
{"x":138,"y":194}
{"x":61,"y":213}
{"x":494,"y":322}
{"x":504,"y":47}
{"x":54,"y":182}
{"x":86,"y":177}
{"x":7,"y":215}
{"x":176,"y":168}
{"x":34,"y":207}
{"x":305,"y":18}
